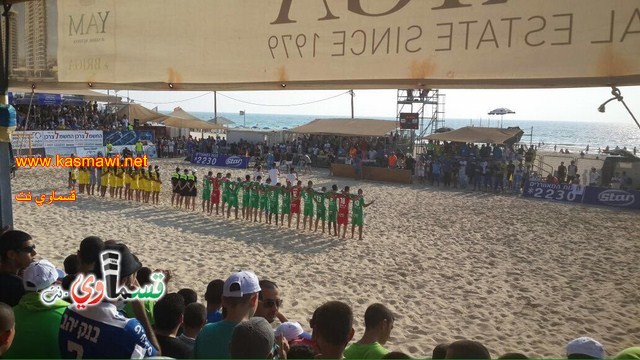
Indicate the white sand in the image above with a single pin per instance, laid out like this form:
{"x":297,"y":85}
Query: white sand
{"x":515,"y":274}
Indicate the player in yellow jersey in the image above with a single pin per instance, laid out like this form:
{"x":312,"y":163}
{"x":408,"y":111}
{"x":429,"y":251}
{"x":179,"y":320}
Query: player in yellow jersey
{"x":133,"y":174}
{"x":81,"y":179}
{"x":126,"y":180}
{"x":142,"y":183}
{"x":112,"y":182}
{"x":104,"y":181}
{"x":119,"y":181}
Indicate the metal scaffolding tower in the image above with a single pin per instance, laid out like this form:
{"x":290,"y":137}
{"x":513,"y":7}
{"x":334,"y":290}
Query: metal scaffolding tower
{"x":429,"y":106}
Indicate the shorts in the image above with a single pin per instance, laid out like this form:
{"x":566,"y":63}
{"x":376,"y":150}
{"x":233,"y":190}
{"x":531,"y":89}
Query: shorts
{"x":321,"y":213}
{"x":273,"y":208}
{"x":233,"y":201}
{"x":263,"y":203}
{"x":225,"y":197}
{"x":343,"y":218}
{"x":176,"y":189}
{"x":308,"y":211}
{"x":192,"y":193}
{"x":215,"y":197}
{"x":286,"y":208}
{"x":206,"y":194}
{"x":295,"y":208}
{"x":246,"y":200}
{"x":255,"y":201}
{"x":332,"y":215}
{"x":357,"y":219}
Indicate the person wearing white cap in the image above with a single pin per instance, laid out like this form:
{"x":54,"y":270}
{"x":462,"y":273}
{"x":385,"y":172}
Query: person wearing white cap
{"x":240,"y":299}
{"x":585,"y":348}
{"x":293,"y":332}
{"x":37,"y":324}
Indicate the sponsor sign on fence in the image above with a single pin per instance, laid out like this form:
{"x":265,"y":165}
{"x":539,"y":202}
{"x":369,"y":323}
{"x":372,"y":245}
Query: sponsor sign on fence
{"x":57,"y":138}
{"x":238,"y":162}
{"x":557,"y":192}
{"x":628,"y":199}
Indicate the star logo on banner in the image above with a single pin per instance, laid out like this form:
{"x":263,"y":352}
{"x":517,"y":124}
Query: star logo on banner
{"x":530,"y":191}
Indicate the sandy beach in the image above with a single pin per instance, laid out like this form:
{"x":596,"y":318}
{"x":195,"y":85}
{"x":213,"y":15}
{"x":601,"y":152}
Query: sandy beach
{"x":515,"y":274}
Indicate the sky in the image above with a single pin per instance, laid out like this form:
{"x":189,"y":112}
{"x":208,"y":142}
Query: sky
{"x":576,"y":104}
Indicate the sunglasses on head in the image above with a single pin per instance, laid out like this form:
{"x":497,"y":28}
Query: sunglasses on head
{"x":27,"y":249}
{"x":269,"y":303}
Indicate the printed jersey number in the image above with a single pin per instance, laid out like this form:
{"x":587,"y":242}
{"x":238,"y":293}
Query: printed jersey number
{"x":76,"y":348}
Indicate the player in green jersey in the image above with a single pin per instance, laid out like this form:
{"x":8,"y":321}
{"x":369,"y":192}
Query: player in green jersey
{"x":332,"y":215}
{"x":232,"y":197}
{"x":255,"y":197}
{"x":206,"y":192}
{"x":357,"y":217}
{"x":246,"y":198}
{"x":321,"y":208}
{"x":286,"y":203}
{"x":307,"y":199}
{"x":225,"y":191}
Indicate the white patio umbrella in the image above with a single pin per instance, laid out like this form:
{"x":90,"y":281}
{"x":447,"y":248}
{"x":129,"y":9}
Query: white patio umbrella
{"x":502,"y":112}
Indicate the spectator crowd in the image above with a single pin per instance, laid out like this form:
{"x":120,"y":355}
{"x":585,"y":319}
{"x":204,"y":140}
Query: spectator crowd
{"x":243,"y":317}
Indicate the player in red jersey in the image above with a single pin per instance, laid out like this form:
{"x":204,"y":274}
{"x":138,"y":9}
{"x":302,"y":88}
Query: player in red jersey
{"x":215,"y":192}
{"x":343,"y":211}
{"x":296,"y":193}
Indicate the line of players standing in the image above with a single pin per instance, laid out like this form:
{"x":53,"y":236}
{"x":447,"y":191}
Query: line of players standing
{"x":272,"y":202}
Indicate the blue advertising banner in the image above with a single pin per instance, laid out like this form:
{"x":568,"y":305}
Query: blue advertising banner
{"x":238,"y":162}
{"x":557,"y":192}
{"x":128,"y":137}
{"x":627,"y":199}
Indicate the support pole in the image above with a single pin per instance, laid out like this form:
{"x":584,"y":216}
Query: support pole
{"x":7,"y":125}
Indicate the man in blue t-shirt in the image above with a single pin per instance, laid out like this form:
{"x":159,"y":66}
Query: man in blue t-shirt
{"x":240,"y":298}
{"x":100,"y":331}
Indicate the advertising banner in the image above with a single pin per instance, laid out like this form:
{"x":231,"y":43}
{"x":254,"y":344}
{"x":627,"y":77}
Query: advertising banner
{"x":237,"y":162}
{"x":325,"y":44}
{"x":89,"y":150}
{"x":557,"y":192}
{"x":627,"y":199}
{"x":62,"y":151}
{"x":128,"y":137}
{"x":57,"y":138}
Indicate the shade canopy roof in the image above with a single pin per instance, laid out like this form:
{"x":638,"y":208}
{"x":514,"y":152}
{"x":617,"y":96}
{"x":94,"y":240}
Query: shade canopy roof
{"x":471,"y":134}
{"x":347,"y":127}
{"x":182,"y":119}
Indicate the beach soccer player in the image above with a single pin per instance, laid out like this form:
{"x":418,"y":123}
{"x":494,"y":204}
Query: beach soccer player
{"x":307,"y":198}
{"x":215,"y":192}
{"x":273,"y":193}
{"x":183,"y":187}
{"x":175,"y":180}
{"x":264,"y":200}
{"x":286,"y":203}
{"x":234,"y":190}
{"x":343,"y":210}
{"x":332,"y":215}
{"x":296,"y":192}
{"x":357,"y":217}
{"x":119,"y":181}
{"x":255,"y":199}
{"x":206,"y":192}
{"x":246,"y":198}
{"x":321,"y":207}
{"x":157,"y":185}
{"x":225,"y":191}
{"x":192,"y":182}
{"x":133,"y":174}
